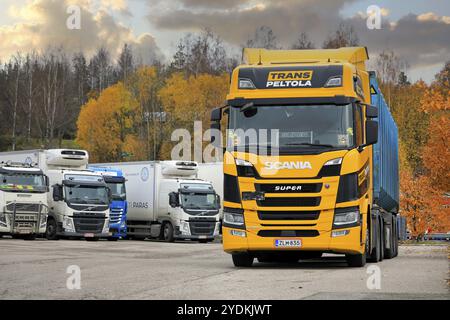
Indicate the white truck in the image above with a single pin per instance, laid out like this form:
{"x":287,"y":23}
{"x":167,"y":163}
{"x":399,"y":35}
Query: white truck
{"x":212,"y":172}
{"x":166,"y":200}
{"x":78,"y":200}
{"x":23,"y":200}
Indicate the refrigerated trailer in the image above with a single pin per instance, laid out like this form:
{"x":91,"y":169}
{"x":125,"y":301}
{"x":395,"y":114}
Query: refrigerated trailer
{"x":327,"y":180}
{"x":78,"y":198}
{"x":166,"y":200}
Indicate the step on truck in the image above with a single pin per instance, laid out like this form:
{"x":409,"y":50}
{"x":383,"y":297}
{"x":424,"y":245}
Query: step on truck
{"x":23,"y":200}
{"x":167,"y":201}
{"x":118,"y":208}
{"x":324,"y":176}
{"x":78,"y":198}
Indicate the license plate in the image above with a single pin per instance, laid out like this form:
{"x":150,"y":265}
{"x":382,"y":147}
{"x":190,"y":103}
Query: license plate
{"x":88,"y":235}
{"x":288,"y":243}
{"x":202,"y":237}
{"x":24,"y":231}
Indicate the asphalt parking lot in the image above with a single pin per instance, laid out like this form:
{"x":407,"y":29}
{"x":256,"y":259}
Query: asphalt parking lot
{"x":157,"y":270}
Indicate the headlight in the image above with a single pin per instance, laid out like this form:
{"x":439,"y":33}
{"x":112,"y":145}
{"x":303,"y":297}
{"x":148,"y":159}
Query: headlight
{"x":233,"y":218}
{"x":245,"y":168}
{"x":184,"y":227}
{"x":43,"y":222}
{"x":106,"y":226}
{"x":3,"y":222}
{"x":240,"y":162}
{"x":68,"y":224}
{"x":346,"y":217}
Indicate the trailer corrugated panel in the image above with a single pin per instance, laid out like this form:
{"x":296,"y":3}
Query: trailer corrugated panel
{"x":385,"y":154}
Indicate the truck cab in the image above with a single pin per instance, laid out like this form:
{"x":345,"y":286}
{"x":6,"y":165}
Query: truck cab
{"x":118,"y":208}
{"x":79,"y":199}
{"x":193,"y":210}
{"x":23,"y":199}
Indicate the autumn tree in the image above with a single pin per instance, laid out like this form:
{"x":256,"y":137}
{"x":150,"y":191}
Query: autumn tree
{"x":264,"y":37}
{"x":344,"y":36}
{"x":106,"y":126}
{"x":303,"y":42}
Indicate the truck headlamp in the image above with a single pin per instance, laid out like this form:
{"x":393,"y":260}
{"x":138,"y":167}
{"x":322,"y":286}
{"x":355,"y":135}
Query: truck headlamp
{"x":346,"y":217}
{"x":233,"y":218}
{"x":43,"y":222}
{"x":3,"y":222}
{"x":184,"y":227}
{"x":106,"y":226}
{"x":240,"y":162}
{"x":68,"y":224}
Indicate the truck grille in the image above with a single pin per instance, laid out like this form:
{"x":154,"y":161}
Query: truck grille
{"x":202,"y":227}
{"x":289,"y":188}
{"x":115,"y":216}
{"x":289,"y":202}
{"x":288,"y":215}
{"x":22,"y":207}
{"x":288,"y":233}
{"x":88,"y":222}
{"x":26,"y":217}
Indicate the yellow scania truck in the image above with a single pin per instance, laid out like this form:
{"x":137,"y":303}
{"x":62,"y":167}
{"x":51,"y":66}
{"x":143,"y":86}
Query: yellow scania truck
{"x":310,"y":159}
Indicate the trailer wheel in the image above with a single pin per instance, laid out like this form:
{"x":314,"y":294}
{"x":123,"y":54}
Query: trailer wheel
{"x":242,"y":260}
{"x":375,"y":255}
{"x":389,"y":253}
{"x":168,"y":232}
{"x":51,"y":231}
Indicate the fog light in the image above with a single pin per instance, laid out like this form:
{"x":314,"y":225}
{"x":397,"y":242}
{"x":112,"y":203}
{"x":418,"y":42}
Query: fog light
{"x":238,"y":233}
{"x":339,"y":233}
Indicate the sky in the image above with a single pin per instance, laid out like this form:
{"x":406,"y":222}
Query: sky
{"x":417,"y":31}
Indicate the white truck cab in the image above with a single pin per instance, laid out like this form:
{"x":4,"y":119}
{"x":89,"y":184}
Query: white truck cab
{"x":23,"y":200}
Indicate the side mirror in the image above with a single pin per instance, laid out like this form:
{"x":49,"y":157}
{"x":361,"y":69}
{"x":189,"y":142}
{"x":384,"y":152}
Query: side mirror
{"x":218,"y":201}
{"x":371,"y":132}
{"x":371,"y":112}
{"x":57,"y":192}
{"x":109,"y":194}
{"x":216,"y":134}
{"x":174,"y":199}
{"x":216,"y":115}
{"x":47,"y":182}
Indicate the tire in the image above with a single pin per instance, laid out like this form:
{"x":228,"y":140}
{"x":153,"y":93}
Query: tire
{"x":168,"y":232}
{"x":390,"y":253}
{"x":382,"y":245}
{"x":242,"y":260}
{"x":375,"y":255}
{"x":51,"y":231}
{"x":396,"y":238}
{"x":356,"y":260}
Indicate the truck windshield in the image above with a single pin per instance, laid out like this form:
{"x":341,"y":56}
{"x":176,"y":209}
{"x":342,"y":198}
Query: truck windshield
{"x":199,"y":200}
{"x":86,"y":194}
{"x":292,"y":127}
{"x":117,"y":190}
{"x":18,"y":182}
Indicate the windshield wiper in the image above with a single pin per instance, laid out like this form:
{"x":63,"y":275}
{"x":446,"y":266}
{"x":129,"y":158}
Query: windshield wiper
{"x":309,"y":144}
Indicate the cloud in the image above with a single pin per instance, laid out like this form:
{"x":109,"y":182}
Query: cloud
{"x":420,"y":39}
{"x":42,"y":24}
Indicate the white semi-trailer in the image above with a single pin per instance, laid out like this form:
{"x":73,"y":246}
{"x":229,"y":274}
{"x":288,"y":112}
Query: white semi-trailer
{"x":166,"y":200}
{"x":78,"y":200}
{"x":23,"y":200}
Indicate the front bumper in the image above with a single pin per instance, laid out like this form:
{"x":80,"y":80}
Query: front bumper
{"x":349,"y":243}
{"x":197,"y":237}
{"x":84,"y":235}
{"x":117,"y":230}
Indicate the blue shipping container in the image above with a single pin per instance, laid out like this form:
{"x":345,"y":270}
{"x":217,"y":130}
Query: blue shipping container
{"x":385,"y":153}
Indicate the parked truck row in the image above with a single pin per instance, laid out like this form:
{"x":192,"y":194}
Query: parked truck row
{"x":57,"y":193}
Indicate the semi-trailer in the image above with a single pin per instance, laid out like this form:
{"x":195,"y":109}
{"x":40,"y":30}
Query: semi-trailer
{"x":78,"y":198}
{"x":23,"y":200}
{"x":327,"y":179}
{"x":118,"y":207}
{"x":166,"y":200}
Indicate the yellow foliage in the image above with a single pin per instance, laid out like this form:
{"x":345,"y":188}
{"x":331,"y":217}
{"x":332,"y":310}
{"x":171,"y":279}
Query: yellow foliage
{"x":105,"y":125}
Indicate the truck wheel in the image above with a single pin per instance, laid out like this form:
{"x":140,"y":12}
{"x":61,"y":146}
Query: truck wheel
{"x":376,"y":252}
{"x":356,"y":260}
{"x":242,"y":260}
{"x":396,"y":238}
{"x":168,"y":232}
{"x":50,"y":232}
{"x":389,"y":253}
{"x":382,"y":245}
